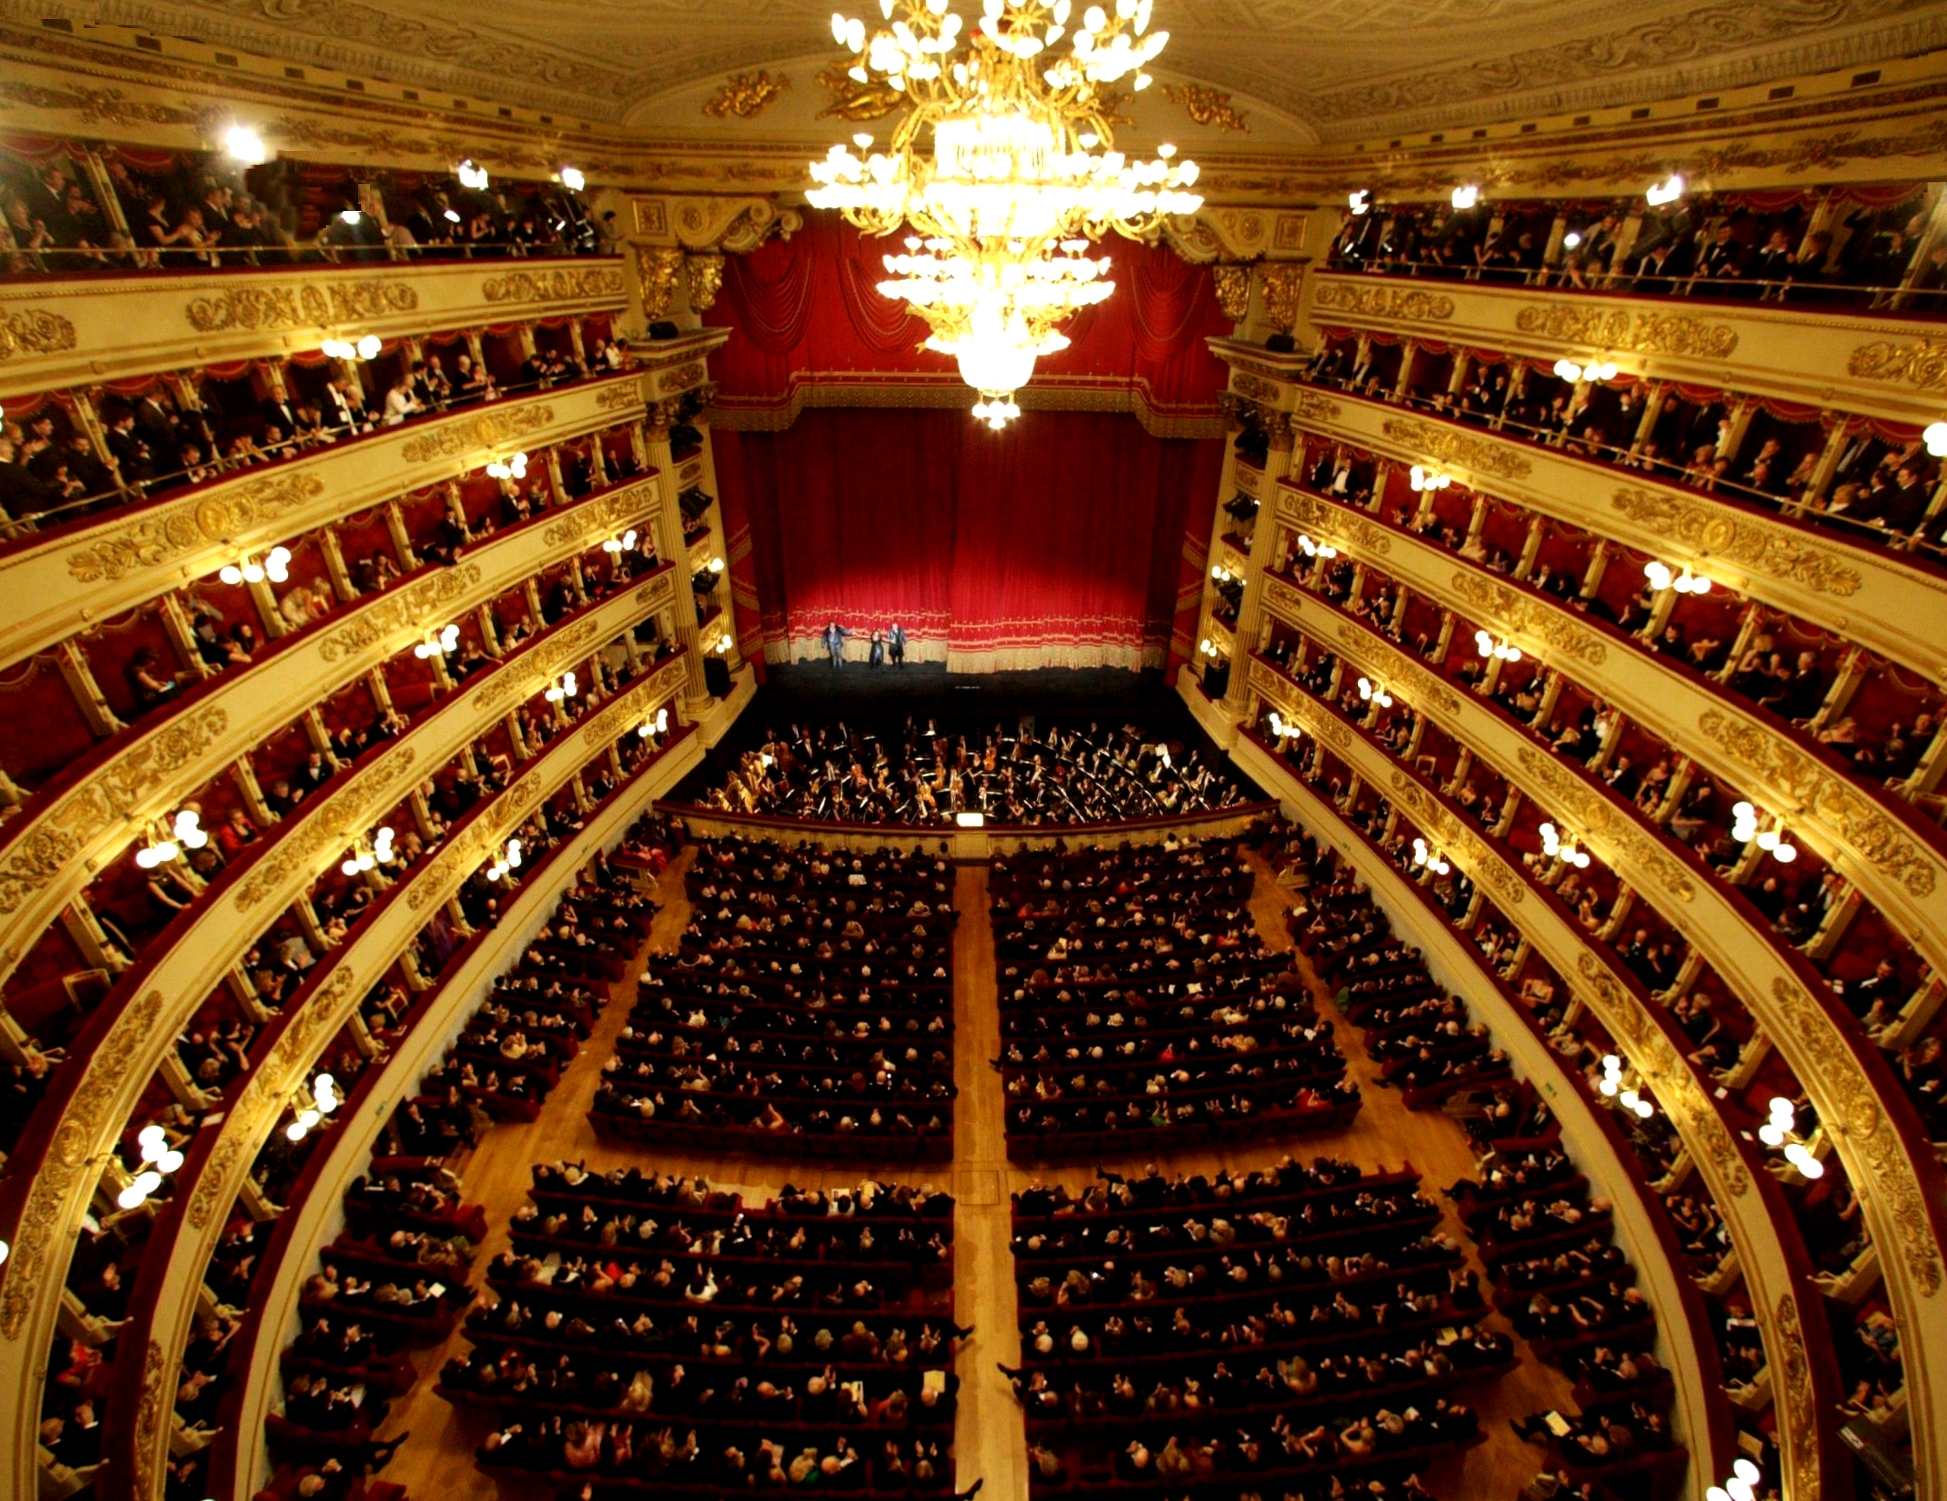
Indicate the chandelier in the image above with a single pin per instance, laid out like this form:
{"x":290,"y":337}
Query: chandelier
{"x":1023,"y":177}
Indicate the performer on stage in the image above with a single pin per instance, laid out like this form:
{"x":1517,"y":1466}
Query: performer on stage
{"x":835,"y":635}
{"x":876,"y":657}
{"x":896,"y":644}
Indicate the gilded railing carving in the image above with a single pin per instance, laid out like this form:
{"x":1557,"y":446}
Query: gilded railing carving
{"x":1375,"y":299}
{"x":414,"y":607}
{"x":1448,"y":446}
{"x":1921,"y":363}
{"x":161,"y":536}
{"x":34,"y":331}
{"x":1524,"y":615}
{"x":559,"y":284}
{"x":1637,"y":332}
{"x":345,"y":817}
{"x":312,"y":305}
{"x":1714,"y":531}
{"x":487,"y":430}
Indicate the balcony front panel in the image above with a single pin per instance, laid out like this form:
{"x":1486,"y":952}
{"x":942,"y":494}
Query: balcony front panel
{"x":52,"y":852}
{"x":1847,"y":360}
{"x":1640,"y":1225}
{"x":1883,"y":844}
{"x":91,"y":1099}
{"x":77,"y":331}
{"x":1752,"y":1204}
{"x":1873,"y":596}
{"x":61,"y":584}
{"x":188,"y":1230}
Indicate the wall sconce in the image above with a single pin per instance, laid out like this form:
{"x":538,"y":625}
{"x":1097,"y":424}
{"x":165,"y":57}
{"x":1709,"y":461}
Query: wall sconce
{"x":1283,"y":728}
{"x":242,"y":144}
{"x":1466,"y":195}
{"x":1662,"y":578}
{"x":1560,"y":846}
{"x":367,"y":347}
{"x":563,"y":690}
{"x":159,"y":1160}
{"x":514,"y":468}
{"x":1780,"y":1131}
{"x":1207,"y":647}
{"x":1360,"y":203}
{"x":1432,"y":859}
{"x":1935,"y":437}
{"x":659,"y":724}
{"x":723,"y":646}
{"x":1499,"y":650}
{"x":471,"y":176}
{"x":438,"y":642}
{"x":716,"y":565}
{"x":323,"y":1100}
{"x":1220,"y":573}
{"x":624,"y":543}
{"x":572,"y":179}
{"x":1667,"y":191}
{"x":363,"y":859}
{"x":184,"y":831}
{"x":1741,"y":1486}
{"x":1744,"y":829}
{"x":1375,"y":693}
{"x":511,"y":860}
{"x":1423,"y":477}
{"x":276,"y":567}
{"x":1313,"y":549}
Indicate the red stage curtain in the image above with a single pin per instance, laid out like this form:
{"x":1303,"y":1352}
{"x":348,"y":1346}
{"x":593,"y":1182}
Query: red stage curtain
{"x":1056,"y":543}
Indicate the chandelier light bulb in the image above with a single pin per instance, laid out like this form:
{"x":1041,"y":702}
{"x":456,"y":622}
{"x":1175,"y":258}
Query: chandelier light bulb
{"x":349,"y":216}
{"x":131,"y":1198}
{"x":1717,"y":1493}
{"x":1572,"y":240}
{"x":1739,"y":1490}
{"x":1568,"y":370}
{"x":1781,"y":1108}
{"x":471,"y":176}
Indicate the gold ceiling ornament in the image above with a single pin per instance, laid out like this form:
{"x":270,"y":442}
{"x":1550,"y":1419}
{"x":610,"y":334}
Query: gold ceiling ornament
{"x":852,"y":100}
{"x":745,"y":95}
{"x":1206,"y":106}
{"x":1022,"y":175}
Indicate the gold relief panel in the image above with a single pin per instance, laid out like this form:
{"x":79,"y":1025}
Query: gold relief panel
{"x":1514,"y":611}
{"x":71,"y":1168}
{"x":167,"y":533}
{"x":329,"y":830}
{"x":1601,"y":820}
{"x":1872,"y":834}
{"x":1796,"y":1399}
{"x":682,"y":378}
{"x":1922,"y":363}
{"x":1457,"y":839}
{"x":119,"y":792}
{"x":1406,"y":304}
{"x":484,"y":431}
{"x":1632,"y":332}
{"x":1252,"y":389}
{"x":411,"y":608}
{"x":1284,"y":285}
{"x":542,"y":662}
{"x":313,"y":305}
{"x":690,"y":473}
{"x":1232,"y":284}
{"x":657,"y":267}
{"x":745,"y":95}
{"x":1206,"y":106}
{"x":33,"y":331}
{"x":602,"y":516}
{"x":620,"y":397}
{"x":1281,"y":598}
{"x":473,"y":847}
{"x":1715,"y":532}
{"x":1311,"y":407}
{"x":1850,"y":1110}
{"x":157,"y":1398}
{"x":1447,"y":447}
{"x":849,"y":99}
{"x":1406,"y":675}
{"x":703,"y":279}
{"x":563,"y":284}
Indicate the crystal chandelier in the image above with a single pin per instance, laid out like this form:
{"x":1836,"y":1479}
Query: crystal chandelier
{"x":1022,"y":180}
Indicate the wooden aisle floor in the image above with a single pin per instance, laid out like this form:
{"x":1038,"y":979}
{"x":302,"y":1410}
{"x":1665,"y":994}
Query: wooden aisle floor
{"x":990,"y":1445}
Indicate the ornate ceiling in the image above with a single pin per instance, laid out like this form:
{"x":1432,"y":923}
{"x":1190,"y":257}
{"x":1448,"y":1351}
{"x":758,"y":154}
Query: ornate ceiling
{"x":1328,"y":70}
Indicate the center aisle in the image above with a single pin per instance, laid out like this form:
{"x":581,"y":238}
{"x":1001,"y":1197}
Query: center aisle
{"x":989,"y":1436}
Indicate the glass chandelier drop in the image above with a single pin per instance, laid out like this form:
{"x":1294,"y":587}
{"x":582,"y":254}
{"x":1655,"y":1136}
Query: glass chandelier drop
{"x":1023,"y":177}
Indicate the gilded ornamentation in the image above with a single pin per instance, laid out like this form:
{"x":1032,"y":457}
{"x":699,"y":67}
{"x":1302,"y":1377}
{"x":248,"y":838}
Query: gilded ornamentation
{"x":703,"y":279}
{"x":474,"y":845}
{"x":1597,"y":817}
{"x":1253,"y":389}
{"x":544,"y":660}
{"x":313,"y":305}
{"x":1371,"y":299}
{"x":656,"y":268}
{"x":119,"y":792}
{"x":1270,"y":685}
{"x":264,"y":1094}
{"x":1457,"y":839}
{"x":1509,"y":609}
{"x":328,"y":830}
{"x":1872,"y":1151}
{"x":1423,"y":687}
{"x":35,"y":332}
{"x":1311,"y":407}
{"x":1922,"y":363}
{"x":745,"y":95}
{"x":601,"y":517}
{"x":96,"y":106}
{"x":1798,"y":1400}
{"x":1636,"y":332}
{"x":657,"y":592}
{"x":151,"y":1410}
{"x":1281,"y":599}
{"x":1336,"y":523}
{"x":411,"y":608}
{"x":690,"y":473}
{"x":619,"y":397}
{"x":1874,"y":835}
{"x":1763,"y":547}
{"x":676,"y":382}
{"x":1656,"y":1057}
{"x":1284,"y":285}
{"x":630,"y":708}
{"x":1206,"y":106}
{"x":485,"y":430}
{"x":71,"y":1167}
{"x":1232,"y":285}
{"x":1449,"y":447}
{"x":563,"y":284}
{"x":165,"y":535}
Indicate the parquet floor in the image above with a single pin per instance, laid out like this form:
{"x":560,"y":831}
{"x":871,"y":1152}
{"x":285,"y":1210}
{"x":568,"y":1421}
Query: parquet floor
{"x":437,"y":1461}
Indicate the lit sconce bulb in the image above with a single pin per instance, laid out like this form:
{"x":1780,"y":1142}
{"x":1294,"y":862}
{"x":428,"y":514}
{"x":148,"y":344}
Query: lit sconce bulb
{"x":245,"y":145}
{"x":169,"y":1161}
{"x":1658,"y":574}
{"x":471,"y":176}
{"x":1466,"y":195}
{"x":297,"y":1131}
{"x":572,"y":179}
{"x":336,"y":349}
{"x":1571,"y":240}
{"x":1747,"y":1471}
{"x":1781,"y":1108}
{"x":1360,"y":202}
{"x":1771,"y":1134}
{"x":1738,"y":1490}
{"x":349,"y":216}
{"x":716,"y":565}
{"x":5,"y":1250}
{"x":188,"y":829}
{"x":1568,"y":370}
{"x":1667,"y":191}
{"x":1784,"y":853}
{"x":369,"y":346}
{"x":382,"y":846}
{"x":277,"y":564}
{"x":1767,"y":840}
{"x":1936,"y":439}
{"x":662,"y":719}
{"x":1802,"y":1159}
{"x":1628,"y":1099}
{"x":131,"y":1197}
{"x":1717,"y":1493}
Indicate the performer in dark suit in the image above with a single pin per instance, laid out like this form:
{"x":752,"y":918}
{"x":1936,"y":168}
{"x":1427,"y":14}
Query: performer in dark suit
{"x":835,"y":635}
{"x":896,"y":644}
{"x":877,"y":656}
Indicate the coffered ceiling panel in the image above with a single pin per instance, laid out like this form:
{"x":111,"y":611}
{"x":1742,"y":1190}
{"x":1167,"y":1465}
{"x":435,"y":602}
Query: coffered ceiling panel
{"x":1334,"y":69}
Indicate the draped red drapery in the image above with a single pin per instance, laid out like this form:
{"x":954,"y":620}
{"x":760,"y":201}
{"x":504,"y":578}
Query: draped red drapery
{"x":1055,"y":543}
{"x":1065,"y":541}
